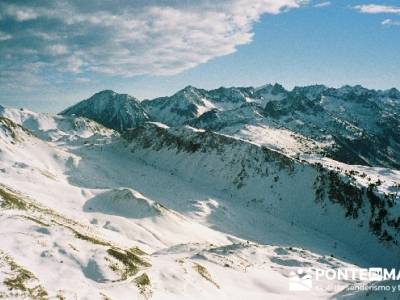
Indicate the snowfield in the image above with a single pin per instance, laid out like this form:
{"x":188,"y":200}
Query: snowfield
{"x":163,"y":212}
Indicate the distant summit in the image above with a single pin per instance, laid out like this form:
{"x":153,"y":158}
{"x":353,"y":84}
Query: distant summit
{"x":116,"y":111}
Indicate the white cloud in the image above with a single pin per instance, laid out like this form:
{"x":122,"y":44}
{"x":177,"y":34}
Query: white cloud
{"x":21,"y":14}
{"x":73,"y":64}
{"x":377,"y":9}
{"x":58,"y":49}
{"x":22,"y":78}
{"x":128,"y":38}
{"x":323,"y":4}
{"x":390,"y":22}
{"x":82,"y":79}
{"x":4,"y":36}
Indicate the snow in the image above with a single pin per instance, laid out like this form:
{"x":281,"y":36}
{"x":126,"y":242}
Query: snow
{"x":363,"y":174}
{"x":274,"y":195}
{"x":346,"y":123}
{"x":179,"y":208}
{"x":280,"y":139}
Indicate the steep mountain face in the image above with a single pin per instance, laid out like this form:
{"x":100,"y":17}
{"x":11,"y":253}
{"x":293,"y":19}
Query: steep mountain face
{"x":217,"y":120}
{"x":116,"y":111}
{"x":185,"y":105}
{"x":351,"y":124}
{"x":230,"y":98}
{"x":268,"y":181}
{"x":361,"y":125}
{"x":191,"y":103}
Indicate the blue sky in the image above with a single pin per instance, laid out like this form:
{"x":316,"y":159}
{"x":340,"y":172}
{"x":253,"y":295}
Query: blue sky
{"x":57,"y":53}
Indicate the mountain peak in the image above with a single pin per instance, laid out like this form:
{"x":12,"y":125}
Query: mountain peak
{"x":113,"y":110}
{"x":110,"y":95}
{"x":393,"y":93}
{"x":189,"y":89}
{"x":103,"y":92}
{"x":273,"y":89}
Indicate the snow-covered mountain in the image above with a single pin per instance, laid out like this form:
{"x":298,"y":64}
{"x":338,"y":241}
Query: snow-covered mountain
{"x":268,"y":180}
{"x":353,"y":125}
{"x":185,"y":105}
{"x":116,"y":111}
{"x":362,"y":126}
{"x":201,"y":195}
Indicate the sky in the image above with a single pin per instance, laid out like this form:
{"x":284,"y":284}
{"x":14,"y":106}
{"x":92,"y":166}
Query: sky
{"x":56,"y":53}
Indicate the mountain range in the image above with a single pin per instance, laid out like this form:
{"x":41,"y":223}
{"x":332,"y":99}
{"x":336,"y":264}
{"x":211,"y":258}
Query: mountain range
{"x":200,"y":195}
{"x":353,"y":125}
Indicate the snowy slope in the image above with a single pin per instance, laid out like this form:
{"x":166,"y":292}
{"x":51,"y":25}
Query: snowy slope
{"x":80,"y":229}
{"x":267,"y":181}
{"x":184,"y":213}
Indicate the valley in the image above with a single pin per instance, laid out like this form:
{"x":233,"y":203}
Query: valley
{"x":170,"y":211}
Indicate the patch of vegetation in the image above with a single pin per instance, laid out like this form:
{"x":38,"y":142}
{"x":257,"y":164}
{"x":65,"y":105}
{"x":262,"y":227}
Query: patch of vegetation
{"x":11,"y":200}
{"x":130,"y":262}
{"x":90,"y":239}
{"x":282,"y":161}
{"x":12,"y":128}
{"x":79,"y":235}
{"x":385,"y":236}
{"x":142,"y":280}
{"x":143,"y":284}
{"x":18,"y":282}
{"x":60,"y":296}
{"x":238,"y":181}
{"x":37,"y":221}
{"x":105,"y":297}
{"x":73,"y":247}
{"x":344,"y":191}
{"x":378,"y":213}
{"x":204,"y":273}
{"x":137,"y":251}
{"x":127,"y":262}
{"x":21,"y":280}
{"x":48,"y":174}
